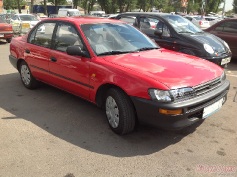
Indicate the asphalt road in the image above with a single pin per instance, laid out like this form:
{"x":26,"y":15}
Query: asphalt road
{"x":47,"y":132}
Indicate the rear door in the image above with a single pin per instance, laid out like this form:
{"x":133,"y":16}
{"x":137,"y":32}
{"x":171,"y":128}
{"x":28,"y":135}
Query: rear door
{"x":38,"y":52}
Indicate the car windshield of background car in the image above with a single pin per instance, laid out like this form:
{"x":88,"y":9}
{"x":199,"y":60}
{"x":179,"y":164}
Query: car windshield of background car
{"x":28,"y":18}
{"x":111,"y":39}
{"x":182,"y":25}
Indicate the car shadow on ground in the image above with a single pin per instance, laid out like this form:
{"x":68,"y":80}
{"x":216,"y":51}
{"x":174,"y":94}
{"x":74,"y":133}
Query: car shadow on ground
{"x":79,"y":122}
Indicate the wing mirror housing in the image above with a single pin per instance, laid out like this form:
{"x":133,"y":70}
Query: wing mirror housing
{"x":76,"y":50}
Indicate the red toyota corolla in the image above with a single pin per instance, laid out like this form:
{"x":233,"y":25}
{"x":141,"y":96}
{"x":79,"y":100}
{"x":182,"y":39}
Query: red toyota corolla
{"x":116,"y":67}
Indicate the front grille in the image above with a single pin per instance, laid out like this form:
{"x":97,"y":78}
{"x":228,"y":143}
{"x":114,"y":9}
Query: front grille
{"x":200,"y":90}
{"x":207,"y":87}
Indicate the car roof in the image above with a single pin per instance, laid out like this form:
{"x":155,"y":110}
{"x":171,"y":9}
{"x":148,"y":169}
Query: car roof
{"x":84,"y":20}
{"x":148,"y":13}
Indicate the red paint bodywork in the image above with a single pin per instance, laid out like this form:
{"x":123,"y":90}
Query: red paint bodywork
{"x":6,"y":30}
{"x":134,"y":73}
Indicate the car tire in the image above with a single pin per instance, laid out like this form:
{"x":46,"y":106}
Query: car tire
{"x":27,"y":78}
{"x":8,"y":40}
{"x":119,"y":111}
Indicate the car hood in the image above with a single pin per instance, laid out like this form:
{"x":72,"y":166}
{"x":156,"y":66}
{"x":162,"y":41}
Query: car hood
{"x":207,"y":38}
{"x":175,"y":70}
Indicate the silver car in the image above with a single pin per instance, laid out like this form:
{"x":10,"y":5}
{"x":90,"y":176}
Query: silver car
{"x":22,"y":23}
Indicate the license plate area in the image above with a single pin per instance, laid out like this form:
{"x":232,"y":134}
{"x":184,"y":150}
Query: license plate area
{"x":1,"y":35}
{"x":211,"y":109}
{"x":225,"y":61}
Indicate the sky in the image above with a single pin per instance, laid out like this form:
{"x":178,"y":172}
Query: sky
{"x":228,"y":5}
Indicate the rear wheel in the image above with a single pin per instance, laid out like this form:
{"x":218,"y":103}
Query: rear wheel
{"x":119,"y":111}
{"x":27,"y":78}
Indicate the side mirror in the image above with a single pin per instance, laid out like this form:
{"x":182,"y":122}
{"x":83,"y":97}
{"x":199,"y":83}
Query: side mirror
{"x":76,"y":50}
{"x":158,"y":32}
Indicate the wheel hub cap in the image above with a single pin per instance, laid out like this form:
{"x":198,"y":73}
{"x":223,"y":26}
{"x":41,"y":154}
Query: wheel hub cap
{"x":112,"y":112}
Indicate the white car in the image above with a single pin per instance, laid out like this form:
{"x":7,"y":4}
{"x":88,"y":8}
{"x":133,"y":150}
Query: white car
{"x":22,"y":23}
{"x":213,"y":19}
{"x":199,"y":21}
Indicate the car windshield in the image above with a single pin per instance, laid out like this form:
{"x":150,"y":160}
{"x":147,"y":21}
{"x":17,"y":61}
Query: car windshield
{"x":74,"y":13}
{"x":117,"y":38}
{"x":28,"y":18}
{"x":182,"y":25}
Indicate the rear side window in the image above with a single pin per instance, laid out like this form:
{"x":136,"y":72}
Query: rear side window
{"x":42,"y":35}
{"x":230,"y":27}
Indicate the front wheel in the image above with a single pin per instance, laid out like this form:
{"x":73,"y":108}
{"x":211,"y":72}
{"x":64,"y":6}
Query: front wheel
{"x":119,"y":111}
{"x":27,"y":78}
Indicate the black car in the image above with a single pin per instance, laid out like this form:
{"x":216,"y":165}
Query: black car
{"x":177,"y":33}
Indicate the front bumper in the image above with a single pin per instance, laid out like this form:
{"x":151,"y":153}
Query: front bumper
{"x":220,"y":60}
{"x":148,"y":110}
{"x":6,"y":35}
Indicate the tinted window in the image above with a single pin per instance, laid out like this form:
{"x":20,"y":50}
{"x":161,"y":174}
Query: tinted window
{"x":230,"y":27}
{"x":66,"y":35}
{"x":42,"y":35}
{"x":28,"y":18}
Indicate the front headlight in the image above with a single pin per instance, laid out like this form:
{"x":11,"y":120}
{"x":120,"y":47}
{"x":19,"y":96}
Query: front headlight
{"x":171,"y":95}
{"x":208,"y":48}
{"x":223,"y":76}
{"x":226,"y":45}
{"x":160,"y":95}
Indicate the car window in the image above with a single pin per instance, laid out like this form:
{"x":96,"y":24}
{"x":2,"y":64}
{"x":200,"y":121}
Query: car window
{"x":220,"y":27}
{"x":116,"y":38}
{"x":14,"y":17}
{"x":181,"y":25}
{"x":42,"y":35}
{"x":132,"y":20}
{"x":66,"y":36}
{"x":230,"y":26}
{"x":162,"y":27}
{"x":28,"y":18}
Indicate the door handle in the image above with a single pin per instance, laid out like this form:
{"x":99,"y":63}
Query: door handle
{"x":27,"y":51}
{"x":53,"y":59}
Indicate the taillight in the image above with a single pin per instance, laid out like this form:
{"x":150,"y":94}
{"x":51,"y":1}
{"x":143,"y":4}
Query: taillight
{"x":200,"y":23}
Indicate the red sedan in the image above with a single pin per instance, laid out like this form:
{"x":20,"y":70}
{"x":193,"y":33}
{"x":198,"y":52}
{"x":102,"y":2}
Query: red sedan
{"x":118,"y":68}
{"x":6,"y":31}
{"x":226,"y":30}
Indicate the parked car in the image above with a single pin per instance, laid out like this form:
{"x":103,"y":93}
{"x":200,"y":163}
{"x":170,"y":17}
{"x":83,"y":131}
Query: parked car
{"x":118,"y":68}
{"x":199,"y":21}
{"x":6,"y":31}
{"x":179,"y":34}
{"x":22,"y":23}
{"x":226,"y":30}
{"x":213,"y":19}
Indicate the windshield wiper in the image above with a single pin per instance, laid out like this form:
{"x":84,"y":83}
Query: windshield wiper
{"x":113,"y":52}
{"x":147,"y":48}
